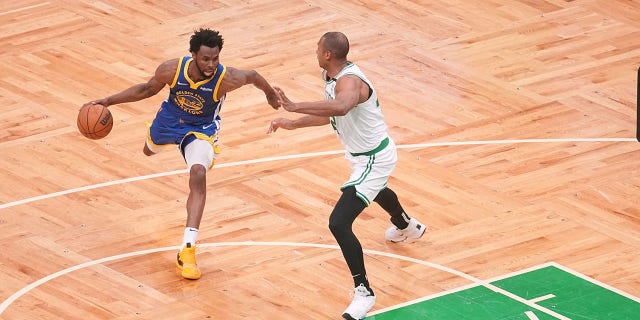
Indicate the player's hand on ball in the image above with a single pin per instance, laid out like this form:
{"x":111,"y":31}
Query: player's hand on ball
{"x":99,"y":101}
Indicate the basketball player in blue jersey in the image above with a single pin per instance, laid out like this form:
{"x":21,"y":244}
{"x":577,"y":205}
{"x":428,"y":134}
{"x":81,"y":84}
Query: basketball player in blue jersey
{"x":351,"y":107}
{"x":190,"y":119}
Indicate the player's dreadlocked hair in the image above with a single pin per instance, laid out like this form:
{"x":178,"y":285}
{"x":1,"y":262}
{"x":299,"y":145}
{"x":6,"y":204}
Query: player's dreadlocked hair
{"x":206,"y":37}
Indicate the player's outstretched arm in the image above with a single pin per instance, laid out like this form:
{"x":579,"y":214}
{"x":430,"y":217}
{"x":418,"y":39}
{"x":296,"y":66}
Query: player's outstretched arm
{"x":164,"y":75}
{"x":235,"y":78}
{"x":347,"y":97}
{"x":289,"y":124}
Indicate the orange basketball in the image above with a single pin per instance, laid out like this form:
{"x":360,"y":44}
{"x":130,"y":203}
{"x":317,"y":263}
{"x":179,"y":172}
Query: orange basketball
{"x":95,"y":121}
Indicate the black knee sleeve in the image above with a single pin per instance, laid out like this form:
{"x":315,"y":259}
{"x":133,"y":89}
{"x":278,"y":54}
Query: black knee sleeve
{"x":347,"y":209}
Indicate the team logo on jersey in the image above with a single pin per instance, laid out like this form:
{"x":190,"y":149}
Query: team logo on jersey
{"x":189,"y":102}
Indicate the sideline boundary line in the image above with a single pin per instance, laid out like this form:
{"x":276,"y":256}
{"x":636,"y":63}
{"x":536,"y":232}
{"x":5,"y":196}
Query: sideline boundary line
{"x":304,"y":155}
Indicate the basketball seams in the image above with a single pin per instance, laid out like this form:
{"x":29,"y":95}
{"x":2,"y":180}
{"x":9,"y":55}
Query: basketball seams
{"x":104,"y":127}
{"x":93,"y":111}
{"x":86,"y":123}
{"x":81,"y":124}
{"x":91,"y":121}
{"x":90,"y":112}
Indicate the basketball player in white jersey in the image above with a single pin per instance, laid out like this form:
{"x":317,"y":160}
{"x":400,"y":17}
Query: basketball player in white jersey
{"x":351,"y":107}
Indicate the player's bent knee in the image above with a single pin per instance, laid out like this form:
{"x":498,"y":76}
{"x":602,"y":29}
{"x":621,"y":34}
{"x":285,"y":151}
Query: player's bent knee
{"x":197,"y":171}
{"x":198,"y":178}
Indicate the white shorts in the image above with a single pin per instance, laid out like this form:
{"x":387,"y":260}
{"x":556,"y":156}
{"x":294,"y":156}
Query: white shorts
{"x":370,"y":173}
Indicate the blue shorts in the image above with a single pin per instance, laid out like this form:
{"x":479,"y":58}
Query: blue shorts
{"x":168,"y":128}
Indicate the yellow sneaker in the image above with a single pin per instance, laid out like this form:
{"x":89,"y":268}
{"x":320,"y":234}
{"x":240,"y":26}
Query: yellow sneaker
{"x":186,"y":262}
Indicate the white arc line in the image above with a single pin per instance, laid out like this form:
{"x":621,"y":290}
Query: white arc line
{"x":5,"y":304}
{"x":305,"y":155}
{"x":37,"y":283}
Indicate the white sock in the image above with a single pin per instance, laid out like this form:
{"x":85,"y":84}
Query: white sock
{"x":190,"y":236}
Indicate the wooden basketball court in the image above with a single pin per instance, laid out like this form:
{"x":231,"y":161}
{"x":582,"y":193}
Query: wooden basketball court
{"x":515,"y":120}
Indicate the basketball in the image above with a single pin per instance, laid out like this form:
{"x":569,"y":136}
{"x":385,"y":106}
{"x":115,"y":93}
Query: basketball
{"x":95,"y":121}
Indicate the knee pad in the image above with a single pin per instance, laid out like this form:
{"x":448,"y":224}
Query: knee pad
{"x":348,"y":207}
{"x":200,"y":152}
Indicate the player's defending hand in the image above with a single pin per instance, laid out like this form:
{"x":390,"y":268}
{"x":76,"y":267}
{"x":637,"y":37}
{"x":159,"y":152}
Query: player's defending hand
{"x":283,"y":100}
{"x":280,"y":123}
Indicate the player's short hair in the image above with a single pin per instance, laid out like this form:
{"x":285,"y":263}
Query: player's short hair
{"x":337,"y":43}
{"x":205,"y":37}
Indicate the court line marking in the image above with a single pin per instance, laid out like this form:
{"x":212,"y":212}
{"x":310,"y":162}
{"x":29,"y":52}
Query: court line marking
{"x":570,"y":271}
{"x":596,"y":282}
{"x":476,"y":282}
{"x":531,"y":315}
{"x":306,"y":155}
{"x":510,"y":275}
{"x":542,"y":298}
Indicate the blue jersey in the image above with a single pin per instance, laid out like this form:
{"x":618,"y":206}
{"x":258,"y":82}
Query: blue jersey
{"x":191,"y":108}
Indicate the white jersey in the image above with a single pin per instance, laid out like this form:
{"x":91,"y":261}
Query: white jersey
{"x":363,"y":128}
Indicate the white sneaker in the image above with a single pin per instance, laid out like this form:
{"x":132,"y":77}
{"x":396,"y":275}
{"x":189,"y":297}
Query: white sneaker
{"x":414,"y":230}
{"x":362,"y":302}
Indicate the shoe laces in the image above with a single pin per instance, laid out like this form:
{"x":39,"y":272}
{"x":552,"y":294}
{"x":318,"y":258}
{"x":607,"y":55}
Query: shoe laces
{"x":187,"y":255}
{"x":361,"y":291}
{"x":399,"y":231}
